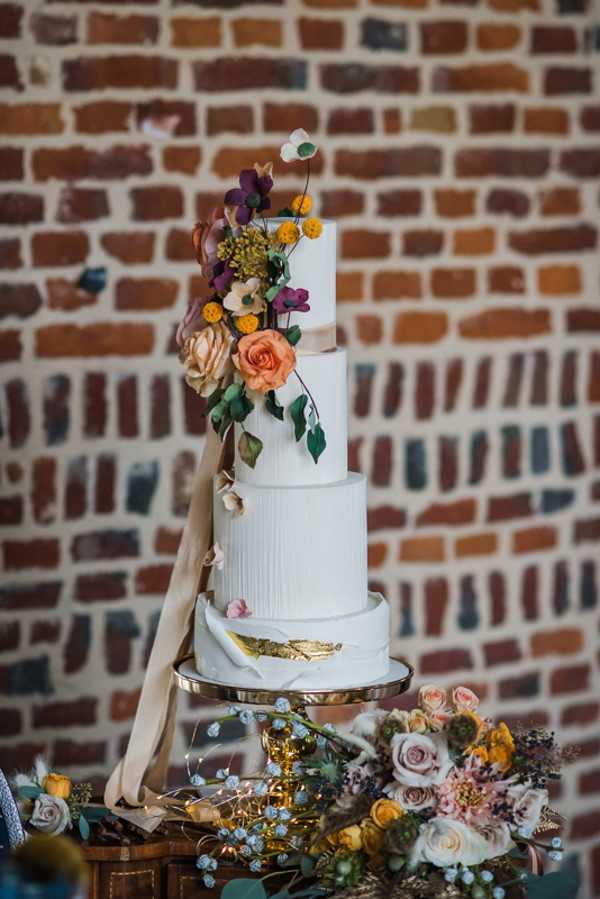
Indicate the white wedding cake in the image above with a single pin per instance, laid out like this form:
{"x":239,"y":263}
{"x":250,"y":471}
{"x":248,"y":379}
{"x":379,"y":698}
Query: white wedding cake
{"x":288,"y":605}
{"x":298,"y":554}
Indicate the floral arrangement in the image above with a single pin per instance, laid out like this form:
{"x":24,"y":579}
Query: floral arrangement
{"x":51,"y":804}
{"x":436,"y":802}
{"x":237,"y":344}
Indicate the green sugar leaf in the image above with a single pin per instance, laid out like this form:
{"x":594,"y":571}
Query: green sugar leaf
{"x":293,"y":334}
{"x":273,"y":406}
{"x":296,"y":410}
{"x":240,"y":407}
{"x":306,"y":149}
{"x":232,"y":392}
{"x":244,"y":889}
{"x":213,"y":399}
{"x":316,"y":442}
{"x":249,"y":448}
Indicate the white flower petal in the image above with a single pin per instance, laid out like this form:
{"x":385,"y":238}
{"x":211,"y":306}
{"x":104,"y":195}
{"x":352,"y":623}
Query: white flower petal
{"x":289,"y":153}
{"x":223,"y":481}
{"x":233,"y":502}
{"x":299,"y":136}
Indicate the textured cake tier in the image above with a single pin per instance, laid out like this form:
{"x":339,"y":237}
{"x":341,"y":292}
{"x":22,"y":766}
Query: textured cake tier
{"x":284,"y":461}
{"x":312,"y":266}
{"x":297,"y":552}
{"x":324,"y":653}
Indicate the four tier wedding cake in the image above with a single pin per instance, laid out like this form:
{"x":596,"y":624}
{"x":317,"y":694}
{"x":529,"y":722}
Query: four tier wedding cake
{"x":288,"y":605}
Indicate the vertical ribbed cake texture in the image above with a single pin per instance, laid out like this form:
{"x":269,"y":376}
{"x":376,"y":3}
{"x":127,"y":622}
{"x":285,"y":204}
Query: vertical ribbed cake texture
{"x":297,"y":555}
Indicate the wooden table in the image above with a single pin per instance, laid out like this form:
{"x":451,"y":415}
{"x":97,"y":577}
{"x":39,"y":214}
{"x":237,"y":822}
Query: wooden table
{"x":164,"y":869}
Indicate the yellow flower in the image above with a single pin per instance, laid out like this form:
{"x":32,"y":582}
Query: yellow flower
{"x":57,"y":785}
{"x":372,"y":836}
{"x":501,"y":734}
{"x":301,"y":205}
{"x":247,"y":324}
{"x":480,"y":752}
{"x":417,"y":722}
{"x":288,"y":233}
{"x":384,"y":811}
{"x":212,"y":312}
{"x":500,"y":755}
{"x":312,"y":228}
{"x":350,"y":838}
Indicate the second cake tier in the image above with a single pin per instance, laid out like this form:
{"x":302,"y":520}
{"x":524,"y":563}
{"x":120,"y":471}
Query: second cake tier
{"x":295,"y":552}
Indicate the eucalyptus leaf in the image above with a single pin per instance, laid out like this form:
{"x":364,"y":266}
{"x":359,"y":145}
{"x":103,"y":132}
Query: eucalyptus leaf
{"x":244,"y":889}
{"x":84,"y":828}
{"x":293,"y":334}
{"x":232,"y":392}
{"x":250,"y":448}
{"x":96,"y":813}
{"x":316,"y":442}
{"x":561,"y":884}
{"x":273,"y":406}
{"x":296,"y":410}
{"x":32,"y":792}
{"x":307,"y":866}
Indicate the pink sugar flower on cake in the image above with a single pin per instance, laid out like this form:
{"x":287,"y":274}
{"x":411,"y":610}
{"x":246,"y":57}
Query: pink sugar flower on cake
{"x":237,"y":608}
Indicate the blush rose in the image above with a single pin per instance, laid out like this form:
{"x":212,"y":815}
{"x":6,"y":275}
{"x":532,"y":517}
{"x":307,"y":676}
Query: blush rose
{"x":420,"y":760}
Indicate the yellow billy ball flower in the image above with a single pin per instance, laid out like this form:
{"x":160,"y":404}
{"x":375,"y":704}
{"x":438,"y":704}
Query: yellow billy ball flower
{"x":287,"y":233}
{"x":212,"y":312}
{"x":247,"y":324}
{"x":301,"y":205}
{"x":312,"y":228}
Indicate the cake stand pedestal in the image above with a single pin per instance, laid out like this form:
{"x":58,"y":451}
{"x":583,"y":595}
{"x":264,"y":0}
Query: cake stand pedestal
{"x":281,"y":746}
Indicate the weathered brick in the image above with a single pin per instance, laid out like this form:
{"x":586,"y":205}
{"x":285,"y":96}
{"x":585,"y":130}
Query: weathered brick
{"x":124,"y":72}
{"x":565,"y":80}
{"x":9,"y":73}
{"x":534,"y":539}
{"x":491,"y":77}
{"x":129,"y":247}
{"x":30,"y":118}
{"x":443,"y":37}
{"x":546,"y":120}
{"x":455,"y":513}
{"x":506,"y":279}
{"x":440,"y":119}
{"x":319,"y":34}
{"x":474,"y":241}
{"x":73,"y":713}
{"x":502,"y":652}
{"x":498,"y":323}
{"x":338,"y":203}
{"x":497,"y":36}
{"x":245,"y":73}
{"x":102,"y":117}
{"x":353,"y":77}
{"x":451,"y":203}
{"x":445,"y":660}
{"x":108,"y":339}
{"x":397,"y":285}
{"x":502,"y":161}
{"x":512,"y":202}
{"x":52,"y":248}
{"x":11,"y":17}
{"x":420,"y":327}
{"x":74,"y":163}
{"x":284,"y":117}
{"x":156,"y":203}
{"x":351,"y":121}
{"x":404,"y":162}
{"x":483,"y":544}
{"x":567,"y":239}
{"x":21,"y":208}
{"x":359,"y":243}
{"x":581,"y":162}
{"x":571,"y":679}
{"x":21,"y":300}
{"x":422,"y":242}
{"x":559,"y":280}
{"x":10,"y":253}
{"x":54,"y":30}
{"x":547,"y":39}
{"x":107,"y":28}
{"x":196,"y":32}
{"x":82,"y":205}
{"x":36,"y":553}
{"x":229,"y":119}
{"x":560,"y":201}
{"x":422,"y":549}
{"x":400,"y":202}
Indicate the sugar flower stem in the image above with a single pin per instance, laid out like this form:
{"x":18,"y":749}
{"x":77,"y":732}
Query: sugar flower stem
{"x":311,"y":397}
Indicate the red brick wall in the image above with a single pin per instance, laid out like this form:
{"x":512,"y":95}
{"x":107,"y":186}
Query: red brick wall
{"x":460,"y":154}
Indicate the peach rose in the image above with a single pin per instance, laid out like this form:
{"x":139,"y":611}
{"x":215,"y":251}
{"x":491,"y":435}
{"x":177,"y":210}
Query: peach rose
{"x":265,"y":360}
{"x":432,"y":698}
{"x":206,"y":357}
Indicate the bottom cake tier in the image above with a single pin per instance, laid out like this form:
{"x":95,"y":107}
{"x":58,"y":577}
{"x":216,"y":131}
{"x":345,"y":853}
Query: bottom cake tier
{"x":318,"y":653}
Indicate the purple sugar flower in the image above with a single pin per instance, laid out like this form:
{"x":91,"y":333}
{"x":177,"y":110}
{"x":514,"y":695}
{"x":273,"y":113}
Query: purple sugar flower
{"x":250,"y":196}
{"x":223,"y":275}
{"x":290,"y":300}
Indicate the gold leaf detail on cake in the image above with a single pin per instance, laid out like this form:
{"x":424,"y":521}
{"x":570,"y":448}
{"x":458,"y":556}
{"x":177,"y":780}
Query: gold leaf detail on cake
{"x":294,"y":650}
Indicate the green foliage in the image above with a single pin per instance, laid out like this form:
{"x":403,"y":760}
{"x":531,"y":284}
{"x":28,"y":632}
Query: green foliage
{"x":563,"y":884}
{"x":250,"y":448}
{"x":297,"y":414}
{"x":240,"y":407}
{"x":233,"y":392}
{"x":30,"y":792}
{"x":273,"y":406}
{"x":279,"y":273}
{"x":213,"y":399}
{"x":316,"y":442}
{"x":293,"y":334}
{"x":285,"y":213}
{"x":228,"y":405}
{"x":84,"y":828}
{"x":244,"y":889}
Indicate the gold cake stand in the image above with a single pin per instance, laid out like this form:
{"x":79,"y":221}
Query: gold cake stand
{"x":281,"y":746}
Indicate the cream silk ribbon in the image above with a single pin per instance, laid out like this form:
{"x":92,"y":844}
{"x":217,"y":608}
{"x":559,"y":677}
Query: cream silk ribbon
{"x":141,"y":774}
{"x":318,"y":340}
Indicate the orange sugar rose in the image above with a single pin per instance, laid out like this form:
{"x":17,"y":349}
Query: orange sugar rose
{"x":265,"y":360}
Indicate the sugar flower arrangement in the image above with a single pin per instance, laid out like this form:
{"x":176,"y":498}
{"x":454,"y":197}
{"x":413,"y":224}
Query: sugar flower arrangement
{"x":437,"y":802}
{"x":51,"y":804}
{"x":237,"y":344}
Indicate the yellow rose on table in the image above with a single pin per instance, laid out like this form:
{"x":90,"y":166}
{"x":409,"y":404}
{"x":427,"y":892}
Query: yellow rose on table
{"x":384,"y":811}
{"x":418,"y":722}
{"x":372,"y":837}
{"x":57,"y":785}
{"x":350,"y":838}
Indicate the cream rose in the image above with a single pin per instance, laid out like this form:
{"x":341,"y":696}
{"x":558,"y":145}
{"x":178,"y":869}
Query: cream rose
{"x":432,"y":698}
{"x":412,"y":799}
{"x":464,"y":699}
{"x":443,"y":842}
{"x":497,"y":837}
{"x":206,"y":357}
{"x":50,"y":815}
{"x":420,"y":760}
{"x":527,"y":804}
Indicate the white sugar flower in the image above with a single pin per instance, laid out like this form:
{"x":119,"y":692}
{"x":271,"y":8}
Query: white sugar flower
{"x":50,"y":815}
{"x":299,"y":146}
{"x":223,"y":481}
{"x":214,"y":557}
{"x":245,"y":297}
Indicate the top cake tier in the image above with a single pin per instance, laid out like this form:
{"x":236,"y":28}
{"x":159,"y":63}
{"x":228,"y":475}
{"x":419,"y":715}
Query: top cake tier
{"x":312,"y":266}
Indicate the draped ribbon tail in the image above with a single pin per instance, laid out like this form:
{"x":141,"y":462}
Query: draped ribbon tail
{"x":141,"y":774}
{"x":318,"y":340}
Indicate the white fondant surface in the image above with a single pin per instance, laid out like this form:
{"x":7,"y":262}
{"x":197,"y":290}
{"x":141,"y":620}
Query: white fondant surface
{"x":362,"y":658}
{"x":312,"y":266}
{"x":297,"y":552}
{"x":285,"y":461}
